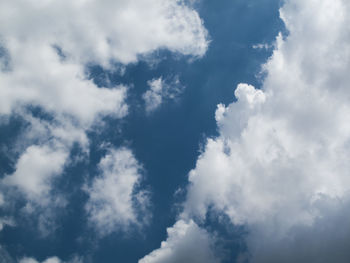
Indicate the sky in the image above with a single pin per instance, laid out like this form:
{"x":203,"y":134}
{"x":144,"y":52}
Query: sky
{"x":174,"y":131}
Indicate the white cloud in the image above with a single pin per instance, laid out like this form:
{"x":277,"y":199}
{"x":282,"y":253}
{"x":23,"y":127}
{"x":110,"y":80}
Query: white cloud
{"x":86,"y":32}
{"x":6,"y":221}
{"x":45,"y":48}
{"x":35,"y":169}
{"x":43,"y":151}
{"x":32,"y":260}
{"x":283,"y":151}
{"x":153,"y":97}
{"x":38,"y":77}
{"x":186,"y":242}
{"x":35,"y":172}
{"x":161,"y":91}
{"x":101,"y":31}
{"x":49,"y":260}
{"x":114,"y":200}
{"x":262,"y":46}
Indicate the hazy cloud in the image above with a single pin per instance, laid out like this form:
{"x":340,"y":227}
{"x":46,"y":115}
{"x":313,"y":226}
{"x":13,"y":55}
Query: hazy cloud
{"x":161,"y":91}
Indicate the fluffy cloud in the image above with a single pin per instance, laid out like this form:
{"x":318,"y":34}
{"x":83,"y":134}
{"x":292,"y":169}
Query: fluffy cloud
{"x":35,"y":168}
{"x":48,"y":44}
{"x":161,"y":91}
{"x":45,"y":47}
{"x":103,"y":31}
{"x":281,"y":162}
{"x":38,"y":77}
{"x":186,"y":242}
{"x":114,"y":200}
{"x":43,"y":150}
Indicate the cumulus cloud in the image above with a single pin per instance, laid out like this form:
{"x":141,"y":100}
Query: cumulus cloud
{"x":114,"y":198}
{"x":101,"y":31}
{"x":34,"y":170}
{"x":159,"y":91}
{"x":38,"y":77}
{"x":186,"y":242}
{"x":45,"y":47}
{"x":281,"y":163}
{"x":43,"y":151}
{"x":84,"y":32}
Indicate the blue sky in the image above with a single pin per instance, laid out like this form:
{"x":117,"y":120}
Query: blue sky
{"x":174,"y":131}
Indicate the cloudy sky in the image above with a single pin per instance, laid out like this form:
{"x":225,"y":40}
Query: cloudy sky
{"x":174,"y":131}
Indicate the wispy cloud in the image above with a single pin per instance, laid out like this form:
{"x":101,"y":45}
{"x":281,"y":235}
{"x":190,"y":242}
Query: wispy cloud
{"x":161,"y":91}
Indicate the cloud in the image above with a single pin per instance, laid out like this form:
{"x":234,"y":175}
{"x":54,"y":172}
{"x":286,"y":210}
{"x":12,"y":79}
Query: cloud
{"x":262,"y":46}
{"x":325,"y":241}
{"x":2,"y":201}
{"x":280,"y":164}
{"x":114,"y":198}
{"x":59,"y":89}
{"x":32,"y":260}
{"x":50,"y":260}
{"x":46,"y":153}
{"x":4,"y":256}
{"x":43,"y":151}
{"x":161,"y":91}
{"x":39,"y":78}
{"x":105,"y":31}
{"x":5,"y":221}
{"x":49,"y":44}
{"x":35,"y":169}
{"x":45,"y":48}
{"x":186,"y":242}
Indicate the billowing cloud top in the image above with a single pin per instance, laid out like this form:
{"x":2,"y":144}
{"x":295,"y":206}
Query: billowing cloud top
{"x":186,"y":242}
{"x":280,"y":165}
